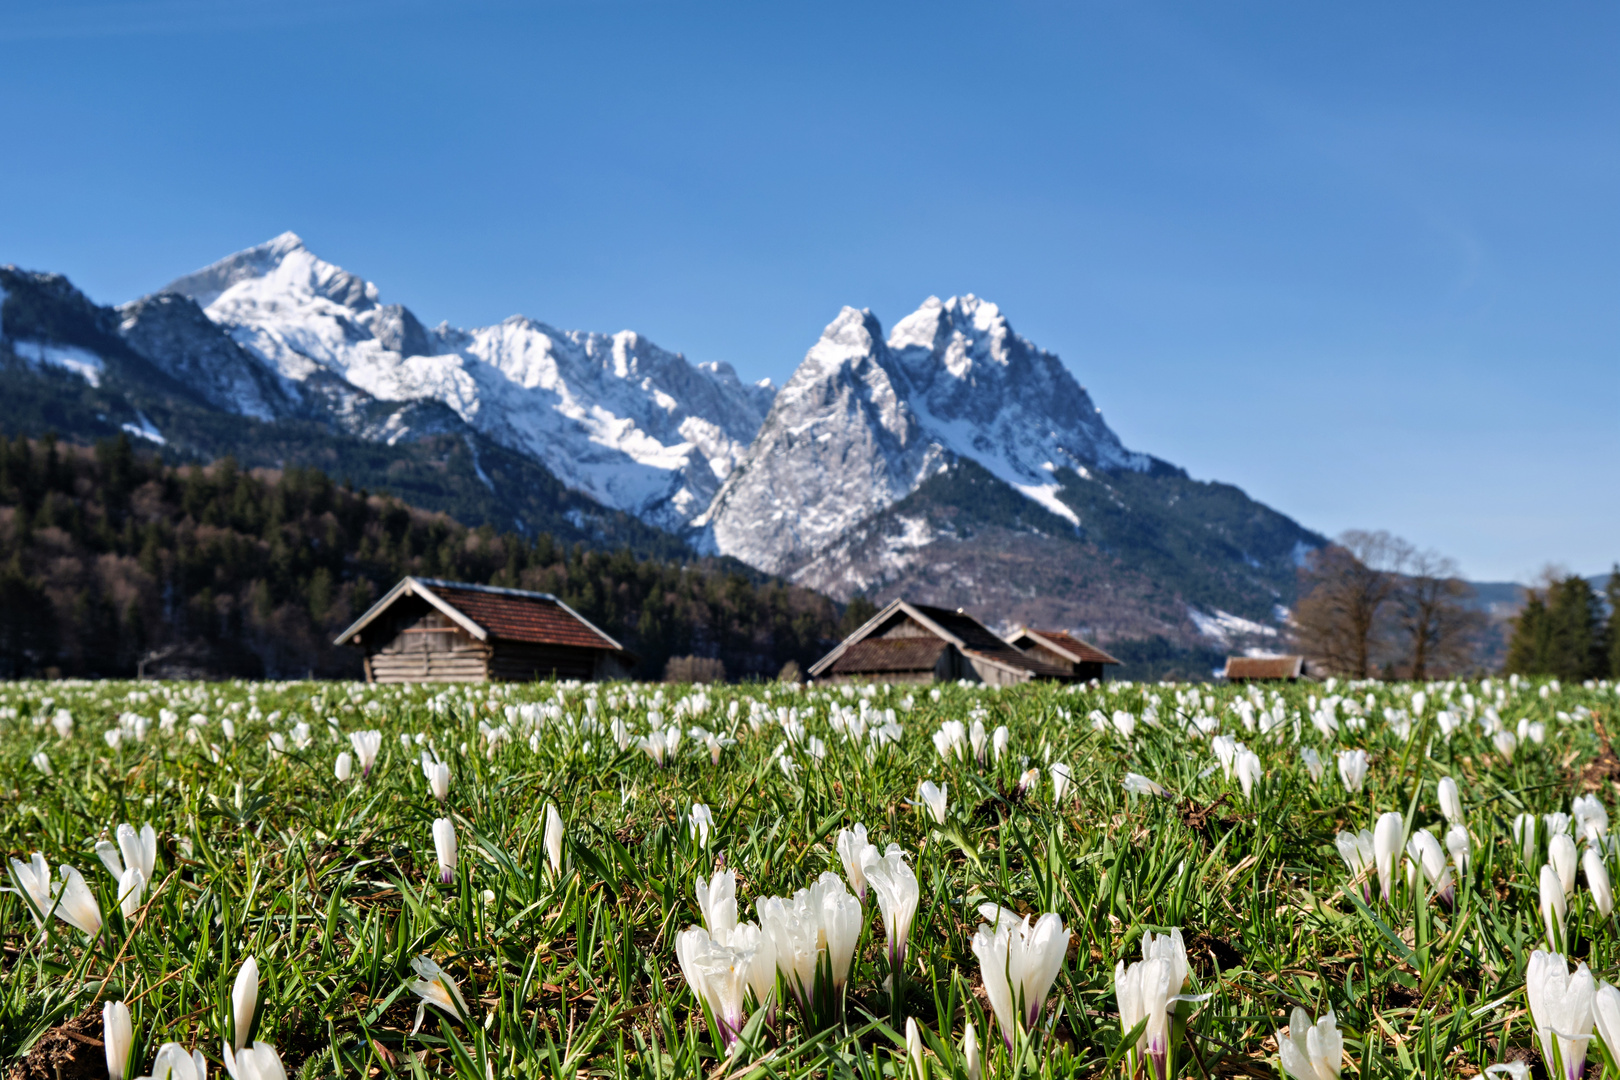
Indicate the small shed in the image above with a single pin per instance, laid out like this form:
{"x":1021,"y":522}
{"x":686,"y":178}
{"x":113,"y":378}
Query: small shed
{"x":426,"y":630}
{"x":1264,"y":668}
{"x":1083,"y":659}
{"x":916,"y":643}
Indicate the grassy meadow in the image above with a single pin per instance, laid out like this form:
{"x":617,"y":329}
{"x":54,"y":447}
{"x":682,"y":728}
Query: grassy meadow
{"x":1176,"y":850}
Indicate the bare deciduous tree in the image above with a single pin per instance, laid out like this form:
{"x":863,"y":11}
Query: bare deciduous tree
{"x":1343,"y":590}
{"x":1431,"y":616}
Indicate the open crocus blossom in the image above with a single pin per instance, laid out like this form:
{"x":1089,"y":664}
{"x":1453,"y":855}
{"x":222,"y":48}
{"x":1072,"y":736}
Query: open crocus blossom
{"x":897,"y":896}
{"x":1018,"y":963}
{"x":1137,"y":784}
{"x":435,"y":987}
{"x":813,"y":935}
{"x":444,"y":849}
{"x":851,"y":845}
{"x":718,"y":975}
{"x":173,"y":1063}
{"x":1591,"y":820}
{"x":554,"y":838}
{"x":701,"y":822}
{"x":75,"y":904}
{"x":33,"y":883}
{"x":134,"y":850}
{"x":1387,"y":836}
{"x":1313,"y":763}
{"x":116,"y":1036}
{"x":1311,"y":1051}
{"x":717,"y":900}
{"x":1561,"y":1005}
{"x":1356,"y":849}
{"x":366,"y":745}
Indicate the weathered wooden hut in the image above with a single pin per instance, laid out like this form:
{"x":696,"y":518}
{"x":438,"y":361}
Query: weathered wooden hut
{"x":916,"y":643}
{"x":1264,"y":668}
{"x":426,"y":630}
{"x":1060,"y":649}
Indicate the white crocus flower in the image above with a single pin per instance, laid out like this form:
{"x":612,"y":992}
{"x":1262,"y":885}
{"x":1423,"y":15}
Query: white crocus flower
{"x":700,"y":822}
{"x":173,"y":1063}
{"x":1561,"y":1006}
{"x":1553,"y":906}
{"x":258,"y":1062}
{"x":136,"y":850}
{"x":1018,"y":963}
{"x":344,"y":768}
{"x":972,"y":1061}
{"x":1248,"y":769}
{"x":1562,"y":858}
{"x":1460,"y":845}
{"x":1137,"y":784}
{"x":1061,"y":778}
{"x":33,"y":884}
{"x":1597,"y":879}
{"x":718,"y":975}
{"x":1313,"y":763}
{"x":1427,"y":856}
{"x":1387,"y":836}
{"x":117,"y":1033}
{"x":979,"y":740}
{"x":820,"y":924}
{"x":244,"y":1001}
{"x":897,"y":895}
{"x":851,"y":844}
{"x":1356,"y":849}
{"x":1506,"y":743}
{"x":438,"y":778}
{"x":554,"y":838}
{"x":42,"y":762}
{"x":717,"y":900}
{"x":1353,"y":769}
{"x":1591,"y":820}
{"x":1606,"y":1012}
{"x":1311,"y":1051}
{"x":935,"y":798}
{"x":445,"y":849}
{"x":999,"y":741}
{"x":131,"y":887}
{"x":914,"y":1050}
{"x":367,"y":744}
{"x":1524,"y":832}
{"x":435,"y":987}
{"x":75,"y":903}
{"x":1450,"y":800}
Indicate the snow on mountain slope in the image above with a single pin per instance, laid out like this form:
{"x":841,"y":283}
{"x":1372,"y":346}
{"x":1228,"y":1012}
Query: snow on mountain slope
{"x":864,"y":421}
{"x":634,"y":426}
{"x":173,"y":333}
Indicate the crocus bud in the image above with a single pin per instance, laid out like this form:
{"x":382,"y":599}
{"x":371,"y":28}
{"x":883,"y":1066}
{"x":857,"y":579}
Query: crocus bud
{"x":851,"y":843}
{"x":1597,"y":879}
{"x":1387,"y":836}
{"x":1561,"y":857}
{"x":1606,"y":1011}
{"x":1353,"y":769}
{"x":971,"y":1058}
{"x":1311,"y":1051}
{"x":554,"y":838}
{"x":344,"y":767}
{"x":700,"y":822}
{"x":1450,"y":800}
{"x":1061,"y":776}
{"x":935,"y":798}
{"x":117,"y":1033}
{"x":999,"y":741}
{"x":439,"y":780}
{"x":245,"y":1000}
{"x":444,"y":849}
{"x":1458,"y":843}
{"x":1553,"y":908}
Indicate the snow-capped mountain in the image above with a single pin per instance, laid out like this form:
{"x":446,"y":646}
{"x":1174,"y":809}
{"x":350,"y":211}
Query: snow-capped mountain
{"x":612,"y":415}
{"x":864,"y":421}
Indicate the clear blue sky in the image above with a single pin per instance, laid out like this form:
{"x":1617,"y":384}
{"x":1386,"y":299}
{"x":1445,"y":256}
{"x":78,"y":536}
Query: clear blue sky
{"x":1361,"y":259}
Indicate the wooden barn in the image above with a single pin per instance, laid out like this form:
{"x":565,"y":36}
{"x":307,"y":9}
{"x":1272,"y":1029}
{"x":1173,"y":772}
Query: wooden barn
{"x":427,"y":630}
{"x":1264,"y":668}
{"x":915,"y":643}
{"x":1084,"y":660}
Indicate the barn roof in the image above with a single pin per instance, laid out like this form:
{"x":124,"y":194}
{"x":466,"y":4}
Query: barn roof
{"x":890,"y":654}
{"x":1264,"y":667}
{"x":1064,"y":644}
{"x":486,"y":612}
{"x":951,"y":627}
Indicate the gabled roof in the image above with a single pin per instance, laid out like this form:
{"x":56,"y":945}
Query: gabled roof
{"x":1264,"y":667}
{"x":955,"y":627}
{"x":891,"y":654}
{"x":486,"y":612}
{"x":1064,"y":644}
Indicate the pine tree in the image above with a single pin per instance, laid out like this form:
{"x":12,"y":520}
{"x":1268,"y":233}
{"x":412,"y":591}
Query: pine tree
{"x":1613,"y":592}
{"x":1560,"y":632}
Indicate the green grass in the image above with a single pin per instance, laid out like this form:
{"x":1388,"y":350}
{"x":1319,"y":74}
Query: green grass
{"x":334,"y":888}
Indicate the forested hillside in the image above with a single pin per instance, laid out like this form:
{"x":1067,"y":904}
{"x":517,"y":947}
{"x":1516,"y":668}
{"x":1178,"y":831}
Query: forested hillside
{"x":108,"y":558}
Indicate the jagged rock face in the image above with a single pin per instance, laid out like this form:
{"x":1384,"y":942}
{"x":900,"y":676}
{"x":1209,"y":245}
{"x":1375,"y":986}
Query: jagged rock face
{"x":864,"y":421}
{"x":173,"y":333}
{"x":613,"y":415}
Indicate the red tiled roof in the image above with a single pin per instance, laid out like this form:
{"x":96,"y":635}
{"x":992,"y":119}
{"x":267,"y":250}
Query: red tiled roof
{"x":1264,"y":667}
{"x":1085,"y":651}
{"x":890,"y":654}
{"x":517,"y":616}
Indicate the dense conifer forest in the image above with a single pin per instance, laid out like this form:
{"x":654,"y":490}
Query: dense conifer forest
{"x":109,"y":559}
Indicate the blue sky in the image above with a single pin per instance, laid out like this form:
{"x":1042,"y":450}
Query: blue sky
{"x":1361,"y":260}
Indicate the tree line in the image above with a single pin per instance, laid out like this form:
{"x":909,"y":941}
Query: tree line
{"x":113,"y":561}
{"x":1374,"y":605}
